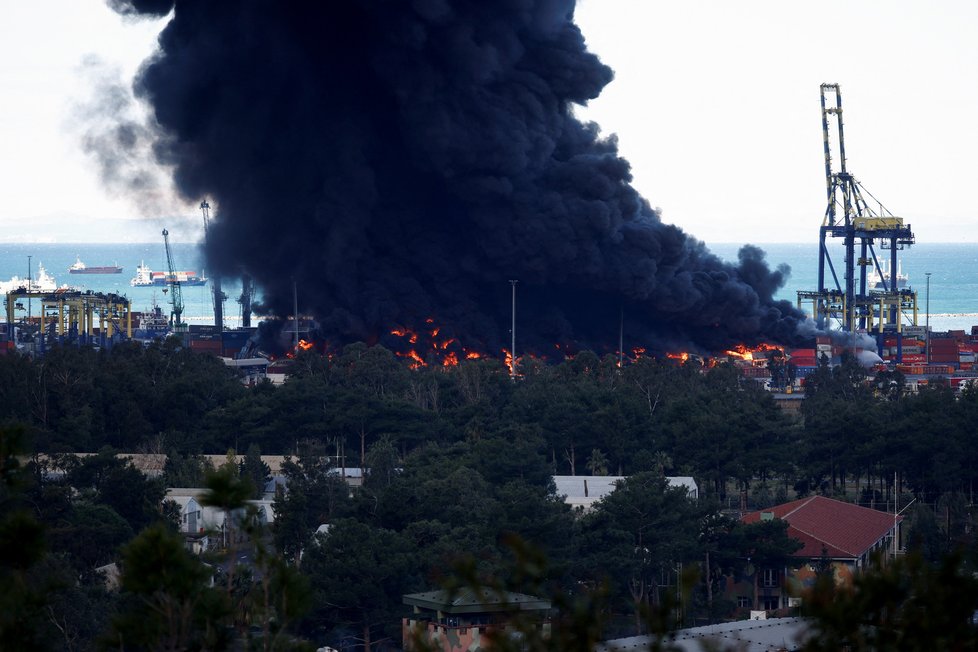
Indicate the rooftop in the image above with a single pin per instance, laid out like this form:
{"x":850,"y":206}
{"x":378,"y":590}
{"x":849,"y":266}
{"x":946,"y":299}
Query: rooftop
{"x":584,"y":490}
{"x":466,"y":601}
{"x":829,"y":527}
{"x":744,"y":635}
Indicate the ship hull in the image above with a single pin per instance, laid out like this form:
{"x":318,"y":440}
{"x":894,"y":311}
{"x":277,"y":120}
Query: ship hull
{"x":162,"y":283}
{"x":97,"y":270}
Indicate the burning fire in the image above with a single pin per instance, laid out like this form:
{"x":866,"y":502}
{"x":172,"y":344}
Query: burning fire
{"x":418,"y":360}
{"x":303,"y":345}
{"x":745,"y":353}
{"x":442,"y":351}
{"x":682,"y":356}
{"x":510,"y":363}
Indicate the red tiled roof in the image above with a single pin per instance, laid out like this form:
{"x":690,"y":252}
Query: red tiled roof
{"x":830,"y":527}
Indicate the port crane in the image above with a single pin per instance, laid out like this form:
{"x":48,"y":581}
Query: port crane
{"x":176,"y":296}
{"x":848,"y":215}
{"x":246,"y":298}
{"x":219,"y":296}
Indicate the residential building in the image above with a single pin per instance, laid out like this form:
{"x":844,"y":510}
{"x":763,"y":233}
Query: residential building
{"x":582,"y":491}
{"x":836,"y":537}
{"x":459,"y":621}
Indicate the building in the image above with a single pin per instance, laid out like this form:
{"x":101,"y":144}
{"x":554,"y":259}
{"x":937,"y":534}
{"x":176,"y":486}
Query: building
{"x":459,"y":621}
{"x":203,"y":527}
{"x":764,"y":635}
{"x":582,"y":491}
{"x":836,"y":537}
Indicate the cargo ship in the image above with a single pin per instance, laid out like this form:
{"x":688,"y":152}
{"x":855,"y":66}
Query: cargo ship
{"x":146,"y":277}
{"x":42,"y":282}
{"x":152,"y":325}
{"x":876,"y":282}
{"x":81,"y":268}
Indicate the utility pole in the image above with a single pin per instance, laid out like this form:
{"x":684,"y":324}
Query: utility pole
{"x":29,"y":274}
{"x":295,"y":315}
{"x":927,"y":327}
{"x":621,"y":337}
{"x":512,"y":330}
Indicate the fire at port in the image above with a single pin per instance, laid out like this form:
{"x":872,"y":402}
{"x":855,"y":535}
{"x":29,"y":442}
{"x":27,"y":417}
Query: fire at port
{"x":398,"y":163}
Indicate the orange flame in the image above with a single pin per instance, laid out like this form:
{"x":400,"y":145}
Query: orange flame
{"x":742,"y":352}
{"x":510,"y":362}
{"x":304,"y":345}
{"x":472,"y":355}
{"x":450,"y":360}
{"x":682,"y":357}
{"x":418,"y":360}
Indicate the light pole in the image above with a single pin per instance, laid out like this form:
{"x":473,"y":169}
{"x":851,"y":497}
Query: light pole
{"x":29,"y":274}
{"x":512,"y":346}
{"x":927,"y":326}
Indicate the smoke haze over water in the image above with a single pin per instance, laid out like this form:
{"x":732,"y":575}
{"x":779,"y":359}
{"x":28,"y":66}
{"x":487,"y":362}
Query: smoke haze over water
{"x":405,"y":159}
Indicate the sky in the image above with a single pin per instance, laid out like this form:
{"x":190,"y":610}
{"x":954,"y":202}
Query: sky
{"x":715,"y":104}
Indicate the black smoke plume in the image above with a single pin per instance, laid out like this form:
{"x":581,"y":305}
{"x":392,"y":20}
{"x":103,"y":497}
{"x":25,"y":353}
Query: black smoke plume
{"x":403,"y":160}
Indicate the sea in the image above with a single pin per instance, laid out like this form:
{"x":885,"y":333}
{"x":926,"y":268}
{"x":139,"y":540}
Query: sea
{"x":57,"y":258}
{"x":953,"y":268}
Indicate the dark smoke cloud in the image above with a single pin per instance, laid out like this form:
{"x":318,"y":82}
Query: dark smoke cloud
{"x":405,"y":159}
{"x":116,"y":135}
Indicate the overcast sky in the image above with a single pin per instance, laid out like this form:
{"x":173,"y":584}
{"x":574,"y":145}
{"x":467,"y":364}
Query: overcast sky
{"x":715,"y":104}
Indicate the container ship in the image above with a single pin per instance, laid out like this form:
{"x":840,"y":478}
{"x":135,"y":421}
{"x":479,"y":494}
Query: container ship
{"x":81,"y":268}
{"x":146,"y":277}
{"x":877,"y":282}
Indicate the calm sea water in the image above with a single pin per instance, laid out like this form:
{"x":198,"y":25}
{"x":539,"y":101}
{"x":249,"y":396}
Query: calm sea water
{"x":953,"y":281}
{"x":953,"y":268}
{"x":57,"y":258}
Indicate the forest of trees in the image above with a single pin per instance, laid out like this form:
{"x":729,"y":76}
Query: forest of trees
{"x":460,"y":462}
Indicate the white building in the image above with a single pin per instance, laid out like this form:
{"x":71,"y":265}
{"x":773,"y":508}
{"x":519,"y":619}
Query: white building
{"x":584,"y":490}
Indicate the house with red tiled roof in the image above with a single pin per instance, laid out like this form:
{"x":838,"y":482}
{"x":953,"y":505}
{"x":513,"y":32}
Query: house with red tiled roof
{"x":836,"y":536}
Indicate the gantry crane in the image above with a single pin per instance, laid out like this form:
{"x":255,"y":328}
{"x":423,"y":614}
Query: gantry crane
{"x":176,"y":296}
{"x":219,"y":295}
{"x":245,"y":299}
{"x":859,"y":224}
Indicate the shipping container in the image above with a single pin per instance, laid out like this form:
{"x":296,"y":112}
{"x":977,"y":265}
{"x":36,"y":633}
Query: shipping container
{"x":804,"y":362}
{"x":803,"y":353}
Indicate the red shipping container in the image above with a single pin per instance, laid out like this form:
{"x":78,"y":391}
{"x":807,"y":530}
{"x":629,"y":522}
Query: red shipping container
{"x":911,"y":358}
{"x":803,"y":353}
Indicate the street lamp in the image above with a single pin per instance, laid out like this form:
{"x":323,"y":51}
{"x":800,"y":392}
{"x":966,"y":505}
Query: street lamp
{"x":927,"y":301}
{"x":512,"y":346}
{"x":29,"y":274}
